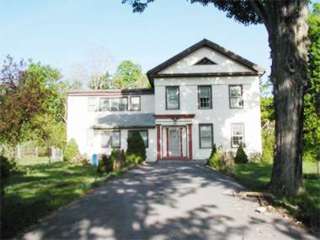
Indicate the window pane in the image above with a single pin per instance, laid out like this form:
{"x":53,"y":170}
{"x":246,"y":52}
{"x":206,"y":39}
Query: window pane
{"x":237,"y":132}
{"x":205,"y":97}
{"x":135,"y":103}
{"x":116,"y":139}
{"x":235,"y":91}
{"x":172,"y":97}
{"x":105,"y":139}
{"x":206,"y":136}
{"x":104,"y":104}
{"x":123,"y":104}
{"x":236,"y":102}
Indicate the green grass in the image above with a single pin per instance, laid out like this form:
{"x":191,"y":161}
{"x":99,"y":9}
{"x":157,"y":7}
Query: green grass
{"x":41,"y":188}
{"x":256,"y":176}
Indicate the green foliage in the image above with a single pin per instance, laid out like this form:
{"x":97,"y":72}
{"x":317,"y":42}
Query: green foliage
{"x":136,"y":151}
{"x":268,"y":143}
{"x":129,"y":75}
{"x":71,"y":150}
{"x":267,"y":110}
{"x":241,"y":156}
{"x":312,"y":95}
{"x":98,"y":82}
{"x":36,"y":92}
{"x":242,"y":11}
{"x":41,"y":189}
{"x":215,"y":159}
{"x":256,"y":177}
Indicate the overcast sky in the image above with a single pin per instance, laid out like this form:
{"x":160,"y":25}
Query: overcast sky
{"x":82,"y":36}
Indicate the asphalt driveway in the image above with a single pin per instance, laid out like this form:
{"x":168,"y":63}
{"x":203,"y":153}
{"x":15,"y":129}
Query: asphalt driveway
{"x":172,"y":200}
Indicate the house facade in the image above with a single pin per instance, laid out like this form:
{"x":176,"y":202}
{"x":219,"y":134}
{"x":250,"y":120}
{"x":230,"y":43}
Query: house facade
{"x":204,"y":95}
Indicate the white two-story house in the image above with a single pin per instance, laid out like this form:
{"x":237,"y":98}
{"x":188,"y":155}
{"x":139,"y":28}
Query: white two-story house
{"x":204,"y":95}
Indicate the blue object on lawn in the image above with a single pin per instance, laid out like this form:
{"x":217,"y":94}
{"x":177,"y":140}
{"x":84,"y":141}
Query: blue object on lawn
{"x":94,"y":160}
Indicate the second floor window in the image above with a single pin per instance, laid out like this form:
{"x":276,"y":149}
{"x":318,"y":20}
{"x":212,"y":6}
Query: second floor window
{"x":235,"y":96}
{"x":114,"y":104}
{"x":204,"y":97}
{"x":135,"y":103}
{"x":172,"y":98}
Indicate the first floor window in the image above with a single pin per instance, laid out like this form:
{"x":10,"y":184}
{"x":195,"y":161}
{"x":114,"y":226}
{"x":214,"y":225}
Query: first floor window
{"x":235,"y":96}
{"x":109,"y":138}
{"x":204,"y":97}
{"x":135,"y":103}
{"x":206,"y":135}
{"x":172,"y":98}
{"x":237,"y":134}
{"x":143,"y":134}
{"x":116,"y":140}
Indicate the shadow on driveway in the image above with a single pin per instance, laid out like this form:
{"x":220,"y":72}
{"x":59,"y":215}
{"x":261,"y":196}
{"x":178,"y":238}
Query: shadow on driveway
{"x":167,"y":200}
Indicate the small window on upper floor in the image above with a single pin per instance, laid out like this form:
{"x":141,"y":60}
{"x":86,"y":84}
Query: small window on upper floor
{"x":113,"y":104}
{"x":204,"y":97}
{"x":135,"y":103}
{"x":235,"y":96}
{"x":172,"y":98}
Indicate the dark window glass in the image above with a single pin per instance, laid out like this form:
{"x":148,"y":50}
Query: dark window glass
{"x":237,"y":134}
{"x":205,"y":99}
{"x":172,"y":95}
{"x":206,"y":135}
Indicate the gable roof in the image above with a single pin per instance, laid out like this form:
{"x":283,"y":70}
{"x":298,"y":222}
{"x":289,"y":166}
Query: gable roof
{"x":154,"y":72}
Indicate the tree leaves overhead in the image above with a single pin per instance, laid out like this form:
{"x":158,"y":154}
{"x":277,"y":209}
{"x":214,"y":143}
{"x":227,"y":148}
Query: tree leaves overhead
{"x":241,"y":10}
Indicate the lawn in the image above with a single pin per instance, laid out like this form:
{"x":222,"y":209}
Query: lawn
{"x":41,"y":188}
{"x":255,"y":176}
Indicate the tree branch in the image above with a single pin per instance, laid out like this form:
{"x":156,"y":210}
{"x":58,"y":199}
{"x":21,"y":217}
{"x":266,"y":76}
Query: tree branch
{"x":261,"y":10}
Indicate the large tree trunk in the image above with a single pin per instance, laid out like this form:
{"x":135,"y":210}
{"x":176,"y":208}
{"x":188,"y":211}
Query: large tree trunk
{"x":288,"y":39}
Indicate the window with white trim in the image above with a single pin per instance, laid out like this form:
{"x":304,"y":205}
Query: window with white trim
{"x":235,"y":96}
{"x":109,"y":138}
{"x":113,"y":104}
{"x":172,"y":98}
{"x":237,"y":134}
{"x":205,"y":135}
{"x":135,"y":103}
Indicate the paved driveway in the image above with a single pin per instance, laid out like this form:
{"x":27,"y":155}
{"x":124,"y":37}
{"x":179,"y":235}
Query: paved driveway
{"x":173,"y":200}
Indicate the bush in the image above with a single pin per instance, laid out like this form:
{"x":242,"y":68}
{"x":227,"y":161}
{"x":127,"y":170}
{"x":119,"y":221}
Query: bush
{"x":71,"y":150}
{"x":215,"y":161}
{"x":104,"y":164}
{"x":117,"y":159}
{"x":136,"y":151}
{"x":241,"y":156}
{"x":7,"y":168}
{"x":268,"y":142}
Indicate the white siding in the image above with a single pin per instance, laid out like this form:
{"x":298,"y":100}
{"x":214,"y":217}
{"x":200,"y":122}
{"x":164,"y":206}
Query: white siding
{"x":80,"y":121}
{"x":220,"y":115}
{"x":223,"y":63}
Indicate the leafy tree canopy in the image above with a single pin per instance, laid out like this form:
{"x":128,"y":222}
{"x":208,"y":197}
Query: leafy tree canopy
{"x":98,"y":82}
{"x":312,"y":96}
{"x":129,"y":75}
